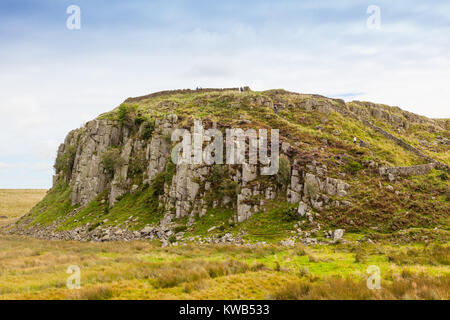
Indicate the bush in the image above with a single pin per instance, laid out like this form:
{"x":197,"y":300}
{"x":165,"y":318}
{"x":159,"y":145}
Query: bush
{"x":112,"y":160}
{"x":353,"y":167}
{"x":64,"y":163}
{"x":170,"y":172}
{"x":360,"y":256}
{"x":157,"y":184}
{"x":147,"y":129}
{"x":126,"y":114}
{"x":139,"y":120}
{"x":93,"y":226}
{"x":289,"y":214}
{"x":221,"y":183}
{"x":443,"y":176}
{"x":137,"y":164}
{"x":284,"y":172}
{"x":178,"y":229}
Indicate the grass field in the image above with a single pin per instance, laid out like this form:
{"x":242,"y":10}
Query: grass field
{"x":16,"y":202}
{"x":36,"y":269}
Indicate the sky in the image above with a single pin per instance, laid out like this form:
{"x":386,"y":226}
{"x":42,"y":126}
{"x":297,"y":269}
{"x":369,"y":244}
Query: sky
{"x":54,"y":79}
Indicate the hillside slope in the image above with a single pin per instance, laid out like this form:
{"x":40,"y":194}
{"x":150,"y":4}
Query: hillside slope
{"x":115,"y":180}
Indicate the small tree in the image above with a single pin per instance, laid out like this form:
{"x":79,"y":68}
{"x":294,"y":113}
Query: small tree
{"x":126,"y":114}
{"x":148,"y":127}
{"x":64,"y":163}
{"x":284,"y":172}
{"x":112,"y":160}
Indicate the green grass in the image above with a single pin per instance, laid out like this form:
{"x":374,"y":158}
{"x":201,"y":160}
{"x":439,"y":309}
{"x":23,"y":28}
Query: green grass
{"x":142,"y":205}
{"x":55,"y":204}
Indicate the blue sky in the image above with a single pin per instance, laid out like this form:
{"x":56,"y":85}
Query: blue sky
{"x":53,"y":79}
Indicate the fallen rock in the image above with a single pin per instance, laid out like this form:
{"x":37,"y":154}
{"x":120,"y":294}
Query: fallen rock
{"x":338,"y":234}
{"x":302,"y":208}
{"x":288,"y":243}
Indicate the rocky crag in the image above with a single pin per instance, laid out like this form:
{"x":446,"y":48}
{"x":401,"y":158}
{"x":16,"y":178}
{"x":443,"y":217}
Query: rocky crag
{"x":115,"y":179}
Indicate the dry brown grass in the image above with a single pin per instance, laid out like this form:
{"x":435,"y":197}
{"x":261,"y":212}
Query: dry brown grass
{"x":15,"y":203}
{"x":431,"y":255}
{"x":99,"y":292}
{"x":193,"y":271}
{"x":407,"y":286}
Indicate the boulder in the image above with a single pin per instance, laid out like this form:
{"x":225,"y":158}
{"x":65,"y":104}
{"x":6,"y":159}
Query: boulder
{"x":338,"y":234}
{"x":302,"y":208}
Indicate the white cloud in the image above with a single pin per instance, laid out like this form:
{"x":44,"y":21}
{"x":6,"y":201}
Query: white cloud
{"x":3,"y":165}
{"x":22,"y":112}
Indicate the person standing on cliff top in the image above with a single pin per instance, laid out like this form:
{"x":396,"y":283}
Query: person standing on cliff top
{"x":354,"y":140}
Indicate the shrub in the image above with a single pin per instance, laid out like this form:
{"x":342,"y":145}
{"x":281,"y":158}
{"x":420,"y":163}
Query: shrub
{"x":284,"y":172}
{"x":360,"y":256}
{"x":353,"y":167}
{"x":277,"y":267}
{"x":93,"y":226}
{"x":300,"y":251}
{"x":289,"y":213}
{"x":222,"y":184}
{"x":147,"y":129}
{"x":178,"y":229}
{"x":304,"y":271}
{"x":126,"y":114}
{"x":112,"y":160}
{"x":137,"y":164}
{"x":217,"y":175}
{"x":157,"y":184}
{"x":64,"y":163}
{"x":443,"y":176}
{"x":170,"y":172}
{"x":139,"y":120}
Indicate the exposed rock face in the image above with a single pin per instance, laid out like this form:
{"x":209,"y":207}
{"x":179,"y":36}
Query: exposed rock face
{"x":158,"y":151}
{"x":185,"y":194}
{"x":88,"y":178}
{"x":184,"y":190}
{"x":315,"y":189}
